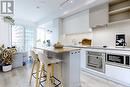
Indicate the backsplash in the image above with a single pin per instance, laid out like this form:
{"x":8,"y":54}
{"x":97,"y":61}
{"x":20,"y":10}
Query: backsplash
{"x":106,"y":36}
{"x":75,"y":38}
{"x":101,"y":36}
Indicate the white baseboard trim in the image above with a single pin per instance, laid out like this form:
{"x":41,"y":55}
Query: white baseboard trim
{"x":102,"y":75}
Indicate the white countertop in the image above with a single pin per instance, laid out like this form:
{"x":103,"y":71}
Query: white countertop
{"x":99,"y":47}
{"x":60,"y":50}
{"x":111,"y":50}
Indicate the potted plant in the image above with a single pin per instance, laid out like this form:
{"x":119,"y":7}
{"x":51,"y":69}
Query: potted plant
{"x":9,"y":20}
{"x":1,"y":51}
{"x":7,"y":59}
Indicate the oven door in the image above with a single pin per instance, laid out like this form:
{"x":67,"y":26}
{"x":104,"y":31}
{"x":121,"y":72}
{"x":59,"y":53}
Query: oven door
{"x":95,"y":61}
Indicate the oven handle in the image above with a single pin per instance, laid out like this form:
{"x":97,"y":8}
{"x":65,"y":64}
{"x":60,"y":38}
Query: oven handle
{"x":92,"y":65}
{"x":95,"y":56}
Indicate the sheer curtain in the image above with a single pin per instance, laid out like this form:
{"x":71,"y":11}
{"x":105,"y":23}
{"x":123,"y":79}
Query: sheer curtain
{"x":23,"y":38}
{"x":18,"y":37}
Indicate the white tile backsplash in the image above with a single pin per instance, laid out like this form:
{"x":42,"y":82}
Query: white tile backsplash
{"x":101,"y":36}
{"x":107,"y":36}
{"x":75,"y":38}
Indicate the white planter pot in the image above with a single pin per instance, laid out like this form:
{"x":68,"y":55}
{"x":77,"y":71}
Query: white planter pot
{"x":7,"y":68}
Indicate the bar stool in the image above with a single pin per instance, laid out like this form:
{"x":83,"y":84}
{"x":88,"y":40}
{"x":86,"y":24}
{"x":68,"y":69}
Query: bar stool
{"x":35,"y":61}
{"x":49,"y":64}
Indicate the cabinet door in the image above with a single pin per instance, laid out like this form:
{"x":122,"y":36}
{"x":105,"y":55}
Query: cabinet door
{"x":83,"y":54}
{"x":75,"y":68}
{"x":98,"y":16}
{"x":77,"y":23}
{"x":118,"y":73}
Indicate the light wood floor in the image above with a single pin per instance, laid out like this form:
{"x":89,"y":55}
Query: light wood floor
{"x":88,"y":80}
{"x":19,"y":78}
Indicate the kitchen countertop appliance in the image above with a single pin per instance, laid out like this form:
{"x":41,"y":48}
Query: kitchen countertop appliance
{"x":86,"y":42}
{"x":117,"y":59}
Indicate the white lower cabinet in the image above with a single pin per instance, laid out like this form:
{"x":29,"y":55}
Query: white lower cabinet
{"x":83,"y":58}
{"x":117,"y":73}
{"x":75,"y":68}
{"x":71,"y":68}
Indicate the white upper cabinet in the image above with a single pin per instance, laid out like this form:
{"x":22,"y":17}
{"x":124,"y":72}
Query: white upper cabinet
{"x":77,"y":23}
{"x":98,"y":16}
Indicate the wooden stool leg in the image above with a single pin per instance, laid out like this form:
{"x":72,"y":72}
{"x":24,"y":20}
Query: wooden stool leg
{"x":59,"y":67}
{"x":32,"y":72}
{"x":49,"y":68}
{"x":37,"y":74}
{"x":52,"y":73}
{"x":42,"y":70}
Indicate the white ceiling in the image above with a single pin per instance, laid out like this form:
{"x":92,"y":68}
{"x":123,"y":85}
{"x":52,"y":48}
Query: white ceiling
{"x":48,"y":9}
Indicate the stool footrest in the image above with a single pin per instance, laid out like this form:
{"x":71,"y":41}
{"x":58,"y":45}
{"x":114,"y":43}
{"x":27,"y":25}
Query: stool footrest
{"x":57,"y":82}
{"x":42,"y":81}
{"x":34,"y":75}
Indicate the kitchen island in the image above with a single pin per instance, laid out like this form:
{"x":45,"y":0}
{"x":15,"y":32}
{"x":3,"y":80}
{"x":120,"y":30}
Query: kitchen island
{"x":70,"y":64}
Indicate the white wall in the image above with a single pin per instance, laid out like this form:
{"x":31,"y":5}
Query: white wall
{"x":5,"y":33}
{"x":53,"y":26}
{"x":107,"y":36}
{"x":70,"y":39}
{"x":25,"y":23}
{"x":55,"y":34}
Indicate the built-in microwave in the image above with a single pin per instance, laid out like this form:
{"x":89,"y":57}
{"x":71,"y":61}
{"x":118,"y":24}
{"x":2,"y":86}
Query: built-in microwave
{"x":127,"y":60}
{"x":120,"y":59}
{"x":96,"y":61}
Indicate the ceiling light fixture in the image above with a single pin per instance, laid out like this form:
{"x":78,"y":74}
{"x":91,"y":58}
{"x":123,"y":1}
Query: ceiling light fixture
{"x":71,"y":1}
{"x":38,"y":7}
{"x":65,"y":2}
{"x":90,"y":2}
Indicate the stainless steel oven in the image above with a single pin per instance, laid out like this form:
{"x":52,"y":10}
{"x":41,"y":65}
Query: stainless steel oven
{"x":96,"y":61}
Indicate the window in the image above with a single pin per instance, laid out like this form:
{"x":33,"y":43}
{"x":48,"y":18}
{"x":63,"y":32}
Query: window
{"x":23,"y":38}
{"x":18,"y":37}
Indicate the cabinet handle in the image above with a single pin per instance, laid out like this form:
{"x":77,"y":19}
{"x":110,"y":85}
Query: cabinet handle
{"x":98,"y":26}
